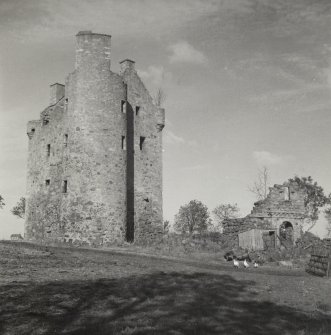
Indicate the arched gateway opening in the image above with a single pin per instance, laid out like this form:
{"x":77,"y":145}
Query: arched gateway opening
{"x":286,"y":232}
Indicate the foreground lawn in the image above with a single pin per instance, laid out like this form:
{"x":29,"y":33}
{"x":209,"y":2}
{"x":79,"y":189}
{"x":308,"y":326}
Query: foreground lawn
{"x":71,"y":291}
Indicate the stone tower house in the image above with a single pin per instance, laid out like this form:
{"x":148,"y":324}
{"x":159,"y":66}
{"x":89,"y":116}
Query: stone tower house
{"x":95,"y":155}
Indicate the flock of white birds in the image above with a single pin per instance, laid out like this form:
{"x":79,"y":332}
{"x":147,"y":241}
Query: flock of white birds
{"x":236,"y":263}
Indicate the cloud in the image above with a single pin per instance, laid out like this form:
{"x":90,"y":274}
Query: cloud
{"x":277,"y":97}
{"x":268,"y":158}
{"x":291,"y":80}
{"x":293,"y":69}
{"x":171,"y":138}
{"x":197,"y":167}
{"x":327,"y":70}
{"x":183,"y":52}
{"x":155,"y":75}
{"x":291,"y":20}
{"x":40,"y":20}
{"x":328,"y":76}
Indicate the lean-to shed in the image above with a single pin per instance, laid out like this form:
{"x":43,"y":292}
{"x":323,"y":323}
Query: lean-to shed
{"x":257,"y":239}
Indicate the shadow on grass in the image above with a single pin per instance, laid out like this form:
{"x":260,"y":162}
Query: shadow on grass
{"x":157,"y":303}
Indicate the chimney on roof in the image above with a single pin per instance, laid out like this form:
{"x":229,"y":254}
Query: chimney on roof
{"x":126,"y":64}
{"x":57,"y":93}
{"x":92,"y":51}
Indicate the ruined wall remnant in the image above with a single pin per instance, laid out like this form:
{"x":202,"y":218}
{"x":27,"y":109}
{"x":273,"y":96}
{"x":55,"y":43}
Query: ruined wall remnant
{"x":95,"y":155}
{"x":283,"y":211}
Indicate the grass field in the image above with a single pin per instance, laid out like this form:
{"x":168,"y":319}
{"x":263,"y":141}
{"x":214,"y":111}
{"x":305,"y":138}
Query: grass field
{"x":75,"y":291}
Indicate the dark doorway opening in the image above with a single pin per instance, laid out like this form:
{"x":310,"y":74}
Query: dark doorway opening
{"x":269,"y":240}
{"x":286,"y":232}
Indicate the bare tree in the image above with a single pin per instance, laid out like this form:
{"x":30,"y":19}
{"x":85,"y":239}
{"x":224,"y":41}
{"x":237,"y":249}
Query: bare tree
{"x":261,"y":185}
{"x":159,"y":97}
{"x":223,"y":212}
{"x":1,"y":202}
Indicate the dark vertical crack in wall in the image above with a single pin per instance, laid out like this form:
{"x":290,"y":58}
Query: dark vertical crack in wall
{"x":129,"y":171}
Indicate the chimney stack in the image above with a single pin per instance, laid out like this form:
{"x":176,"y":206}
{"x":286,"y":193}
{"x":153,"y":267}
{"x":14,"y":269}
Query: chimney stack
{"x":92,"y":51}
{"x":126,"y":64}
{"x":57,"y":93}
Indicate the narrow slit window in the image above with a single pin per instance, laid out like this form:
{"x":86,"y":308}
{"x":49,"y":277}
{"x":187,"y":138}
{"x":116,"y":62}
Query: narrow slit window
{"x":65,"y":140}
{"x":141,"y":143}
{"x":286,"y":193}
{"x":123,"y":143}
{"x":137,"y":110}
{"x":65,"y":186}
{"x":48,"y":150}
{"x":47,"y":182}
{"x":123,"y":106}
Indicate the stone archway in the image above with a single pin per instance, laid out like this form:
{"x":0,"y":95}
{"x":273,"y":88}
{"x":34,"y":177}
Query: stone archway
{"x":286,"y":232}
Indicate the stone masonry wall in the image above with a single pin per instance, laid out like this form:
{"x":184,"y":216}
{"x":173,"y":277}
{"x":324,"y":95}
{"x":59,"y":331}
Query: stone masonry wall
{"x":284,"y":204}
{"x":282,"y":200}
{"x":148,"y":157}
{"x":87,"y":132}
{"x":46,"y":147}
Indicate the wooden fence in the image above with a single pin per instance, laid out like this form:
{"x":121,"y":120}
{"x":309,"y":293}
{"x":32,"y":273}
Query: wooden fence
{"x":320,"y":262}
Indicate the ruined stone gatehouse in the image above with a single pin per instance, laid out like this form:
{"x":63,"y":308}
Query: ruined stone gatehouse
{"x":95,"y":154}
{"x":279,"y":217}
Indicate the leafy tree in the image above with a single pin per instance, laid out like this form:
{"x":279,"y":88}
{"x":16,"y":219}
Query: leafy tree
{"x":223,"y":212}
{"x":166,"y":226}
{"x":314,"y":199}
{"x":193,"y":217}
{"x":19,"y":209}
{"x":328,"y":219}
{"x":1,"y":202}
{"x":261,"y":186}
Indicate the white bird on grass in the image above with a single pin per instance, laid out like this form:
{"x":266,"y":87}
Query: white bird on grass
{"x":246,"y":265}
{"x":256,"y":265}
{"x":235,"y":263}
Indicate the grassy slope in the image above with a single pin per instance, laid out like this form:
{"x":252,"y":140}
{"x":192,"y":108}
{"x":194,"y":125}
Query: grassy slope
{"x":71,"y":291}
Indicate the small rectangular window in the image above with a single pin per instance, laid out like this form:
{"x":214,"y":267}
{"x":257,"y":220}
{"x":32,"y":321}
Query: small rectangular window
{"x":123,"y":106}
{"x":123,"y":143}
{"x":65,"y":186}
{"x":47,"y":182}
{"x":141,"y":143}
{"x":48,"y":150}
{"x":137,"y":110}
{"x":65,"y":140}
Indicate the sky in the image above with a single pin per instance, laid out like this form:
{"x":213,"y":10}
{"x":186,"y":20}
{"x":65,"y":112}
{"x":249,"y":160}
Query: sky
{"x":247,"y":84}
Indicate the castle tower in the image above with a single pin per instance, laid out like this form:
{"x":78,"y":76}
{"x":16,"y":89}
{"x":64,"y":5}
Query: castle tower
{"x":95,"y":165}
